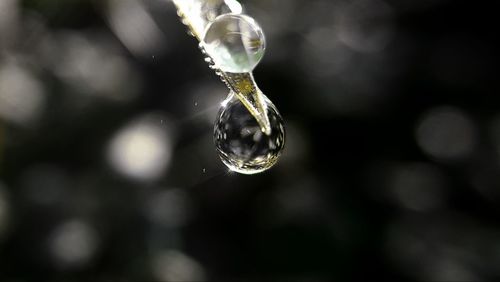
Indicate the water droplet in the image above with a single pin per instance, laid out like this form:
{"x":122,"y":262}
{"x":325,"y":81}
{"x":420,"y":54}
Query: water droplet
{"x":214,"y":8}
{"x":240,"y":142}
{"x":199,"y":13}
{"x":236,"y":43}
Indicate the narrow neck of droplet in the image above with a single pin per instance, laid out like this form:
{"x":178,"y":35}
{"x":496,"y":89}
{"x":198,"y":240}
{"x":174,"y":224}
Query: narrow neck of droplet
{"x":246,"y":90}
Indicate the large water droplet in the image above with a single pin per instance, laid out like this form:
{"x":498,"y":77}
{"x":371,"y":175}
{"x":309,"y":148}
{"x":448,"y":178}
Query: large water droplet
{"x":239,"y":139}
{"x":236,"y":43}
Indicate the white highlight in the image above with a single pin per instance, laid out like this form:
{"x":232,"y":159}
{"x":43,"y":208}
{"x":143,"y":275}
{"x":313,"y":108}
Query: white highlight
{"x":142,"y":150}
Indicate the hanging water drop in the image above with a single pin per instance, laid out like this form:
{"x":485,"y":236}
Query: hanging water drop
{"x":235,"y":43}
{"x":240,"y":142}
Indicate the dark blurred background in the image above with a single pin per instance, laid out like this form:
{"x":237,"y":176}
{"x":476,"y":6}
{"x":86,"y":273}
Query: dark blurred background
{"x":108,"y":170}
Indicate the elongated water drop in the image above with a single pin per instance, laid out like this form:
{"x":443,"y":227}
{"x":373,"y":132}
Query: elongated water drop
{"x":240,"y":142}
{"x":236,"y":43}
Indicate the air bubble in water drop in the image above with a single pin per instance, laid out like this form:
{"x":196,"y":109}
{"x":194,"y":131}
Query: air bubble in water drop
{"x":236,"y":43}
{"x":240,"y":142}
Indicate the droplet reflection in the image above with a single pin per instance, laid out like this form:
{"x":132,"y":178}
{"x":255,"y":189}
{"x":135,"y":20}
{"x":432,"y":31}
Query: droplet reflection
{"x":241,"y":144}
{"x":236,"y":43}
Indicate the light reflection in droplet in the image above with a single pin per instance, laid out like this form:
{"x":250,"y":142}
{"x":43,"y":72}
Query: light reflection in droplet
{"x":143,"y":148}
{"x":173,"y":265}
{"x":73,"y":244}
{"x":446,"y":133}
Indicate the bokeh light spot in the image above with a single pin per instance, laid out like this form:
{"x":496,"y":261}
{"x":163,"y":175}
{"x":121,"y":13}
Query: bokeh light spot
{"x":446,"y":133}
{"x":21,"y":95}
{"x":73,"y":244}
{"x":143,"y":148}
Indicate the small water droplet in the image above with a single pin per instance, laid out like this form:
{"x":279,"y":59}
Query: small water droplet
{"x":214,"y":8}
{"x":240,"y":142}
{"x":204,"y":170}
{"x":196,"y":104}
{"x":236,"y":43}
